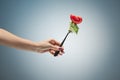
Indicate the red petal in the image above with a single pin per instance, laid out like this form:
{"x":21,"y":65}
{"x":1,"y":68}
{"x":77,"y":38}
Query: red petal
{"x":75,"y":19}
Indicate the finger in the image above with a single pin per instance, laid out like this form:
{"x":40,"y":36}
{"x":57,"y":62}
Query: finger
{"x":62,"y":50}
{"x":52,"y":52}
{"x":59,"y":49}
{"x":54,"y":42}
{"x":60,"y":53}
{"x":55,"y":48}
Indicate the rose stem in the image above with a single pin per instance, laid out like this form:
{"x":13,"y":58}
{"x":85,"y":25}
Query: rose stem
{"x":57,"y":52}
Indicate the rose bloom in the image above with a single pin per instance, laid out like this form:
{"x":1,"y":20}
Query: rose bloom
{"x":76,"y":19}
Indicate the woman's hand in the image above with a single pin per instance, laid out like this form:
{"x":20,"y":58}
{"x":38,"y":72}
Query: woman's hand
{"x":50,"y":45}
{"x":11,"y":40}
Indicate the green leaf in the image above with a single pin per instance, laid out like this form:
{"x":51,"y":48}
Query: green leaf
{"x":73,"y":27}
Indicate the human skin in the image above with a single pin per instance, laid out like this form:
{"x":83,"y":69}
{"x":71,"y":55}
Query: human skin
{"x":11,"y":40}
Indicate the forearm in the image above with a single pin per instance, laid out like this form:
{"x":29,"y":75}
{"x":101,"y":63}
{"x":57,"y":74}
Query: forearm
{"x":8,"y":39}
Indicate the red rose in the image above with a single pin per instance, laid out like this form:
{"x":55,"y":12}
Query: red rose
{"x":76,"y":19}
{"x":73,"y":28}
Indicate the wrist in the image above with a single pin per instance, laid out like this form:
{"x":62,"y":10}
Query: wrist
{"x":34,"y":47}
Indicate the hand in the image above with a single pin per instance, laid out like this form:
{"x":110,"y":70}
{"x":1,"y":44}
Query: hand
{"x":9,"y":39}
{"x":50,"y":45}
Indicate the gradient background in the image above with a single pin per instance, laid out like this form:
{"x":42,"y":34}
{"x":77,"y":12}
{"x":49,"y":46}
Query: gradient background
{"x":93,"y":54}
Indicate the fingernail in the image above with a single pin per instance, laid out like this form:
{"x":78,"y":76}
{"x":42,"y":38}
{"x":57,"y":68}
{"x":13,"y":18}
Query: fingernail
{"x":60,"y":49}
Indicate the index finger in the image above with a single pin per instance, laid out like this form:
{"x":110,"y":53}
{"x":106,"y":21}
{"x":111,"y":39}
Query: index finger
{"x":54,"y":42}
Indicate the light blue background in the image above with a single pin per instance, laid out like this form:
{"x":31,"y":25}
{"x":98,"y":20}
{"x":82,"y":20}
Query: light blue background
{"x":93,"y":54}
